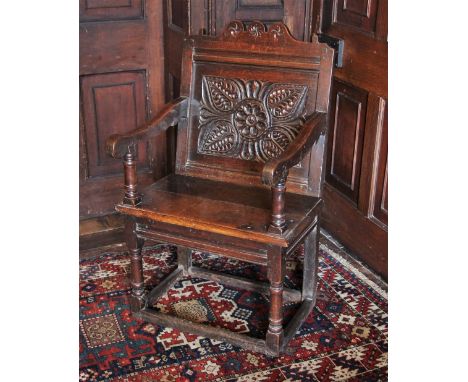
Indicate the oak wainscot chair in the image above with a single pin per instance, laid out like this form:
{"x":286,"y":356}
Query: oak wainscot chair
{"x":252,"y":111}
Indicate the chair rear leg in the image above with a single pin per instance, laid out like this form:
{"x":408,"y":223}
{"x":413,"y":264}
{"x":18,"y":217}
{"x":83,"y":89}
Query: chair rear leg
{"x":184,"y":258}
{"x":135,"y":245}
{"x":276,"y":271}
{"x":311,"y":250}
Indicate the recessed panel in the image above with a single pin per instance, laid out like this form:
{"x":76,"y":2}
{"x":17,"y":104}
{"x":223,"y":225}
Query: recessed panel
{"x":360,"y":14}
{"x":265,"y":10}
{"x":107,"y":10}
{"x":179,"y":14}
{"x":347,"y":120}
{"x":359,"y":7}
{"x":380,"y":208}
{"x":112,"y":103}
{"x":259,"y":3}
{"x":248,"y":116}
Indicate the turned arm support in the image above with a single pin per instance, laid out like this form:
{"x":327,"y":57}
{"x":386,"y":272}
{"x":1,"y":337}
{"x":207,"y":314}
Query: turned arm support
{"x":275,"y":171}
{"x":124,"y":145}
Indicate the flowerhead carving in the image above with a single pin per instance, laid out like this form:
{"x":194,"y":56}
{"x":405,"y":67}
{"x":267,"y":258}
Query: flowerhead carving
{"x":277,"y":30}
{"x":256,"y":29}
{"x":250,"y":120}
{"x":233,"y":29}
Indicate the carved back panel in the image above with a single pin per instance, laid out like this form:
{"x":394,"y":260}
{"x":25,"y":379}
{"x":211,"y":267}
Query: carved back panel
{"x":249,"y":119}
{"x":251,"y":91}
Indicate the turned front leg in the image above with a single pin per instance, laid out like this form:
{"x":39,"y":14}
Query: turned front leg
{"x":130,"y":180}
{"x":275,"y":333}
{"x":135,"y":245}
{"x":278,"y":218}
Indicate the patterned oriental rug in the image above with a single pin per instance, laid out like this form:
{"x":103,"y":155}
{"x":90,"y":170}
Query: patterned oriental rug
{"x":343,"y":339}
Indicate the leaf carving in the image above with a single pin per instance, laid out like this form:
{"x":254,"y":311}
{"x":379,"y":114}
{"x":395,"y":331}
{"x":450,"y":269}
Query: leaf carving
{"x":223,"y":92}
{"x":275,"y":143}
{"x":221,"y":138}
{"x":269,"y":149}
{"x":284,"y":99}
{"x":280,"y":138}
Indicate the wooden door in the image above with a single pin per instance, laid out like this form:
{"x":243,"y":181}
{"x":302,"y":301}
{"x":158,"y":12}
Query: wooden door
{"x":180,"y":18}
{"x":355,"y":193}
{"x":121,"y":87}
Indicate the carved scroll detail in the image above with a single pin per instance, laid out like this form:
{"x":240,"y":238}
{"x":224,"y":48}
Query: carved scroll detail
{"x":256,"y":32}
{"x":249,"y":119}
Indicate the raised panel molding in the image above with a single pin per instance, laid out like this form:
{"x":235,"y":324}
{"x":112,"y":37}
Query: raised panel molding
{"x":96,"y":4}
{"x":259,"y":3}
{"x":347,"y":121}
{"x":384,"y":198}
{"x":360,"y":14}
{"x":360,"y":7}
{"x":109,"y":10}
{"x":178,"y":16}
{"x":265,"y":10}
{"x":112,"y":103}
{"x":379,"y":198}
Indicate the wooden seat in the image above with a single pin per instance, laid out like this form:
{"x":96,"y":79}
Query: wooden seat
{"x":251,"y":123}
{"x":218,"y":207}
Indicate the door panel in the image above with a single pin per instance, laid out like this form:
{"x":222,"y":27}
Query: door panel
{"x":99,"y":10}
{"x":121,"y":87}
{"x":112,"y":103}
{"x":347,"y":120}
{"x":379,"y":196}
{"x":356,"y":199}
{"x":360,"y":14}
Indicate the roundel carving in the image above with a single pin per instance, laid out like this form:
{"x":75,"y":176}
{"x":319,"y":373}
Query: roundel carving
{"x":250,"y":119}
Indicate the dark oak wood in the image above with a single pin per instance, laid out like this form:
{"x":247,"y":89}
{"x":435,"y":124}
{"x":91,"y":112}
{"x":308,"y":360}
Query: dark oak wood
{"x":311,"y":251}
{"x":216,"y":333}
{"x":164,"y":286}
{"x":113,"y":59}
{"x":276,"y":270}
{"x":197,"y":202}
{"x":184,"y":259}
{"x":289,"y":295}
{"x":121,"y":87}
{"x":134,"y":245}
{"x":252,"y":106}
{"x":101,"y":231}
{"x":296,"y":322}
{"x":356,"y":199}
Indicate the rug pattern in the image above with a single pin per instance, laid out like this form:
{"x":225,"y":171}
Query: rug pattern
{"x":343,"y":339}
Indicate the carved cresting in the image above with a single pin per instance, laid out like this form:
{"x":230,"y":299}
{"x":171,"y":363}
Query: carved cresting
{"x":249,"y":119}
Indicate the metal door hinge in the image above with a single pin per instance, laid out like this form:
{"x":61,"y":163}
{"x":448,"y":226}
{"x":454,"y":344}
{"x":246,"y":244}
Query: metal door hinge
{"x":337,"y":44}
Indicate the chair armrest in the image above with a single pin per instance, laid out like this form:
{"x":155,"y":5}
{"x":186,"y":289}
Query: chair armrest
{"x":117,"y":145}
{"x":275,"y":170}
